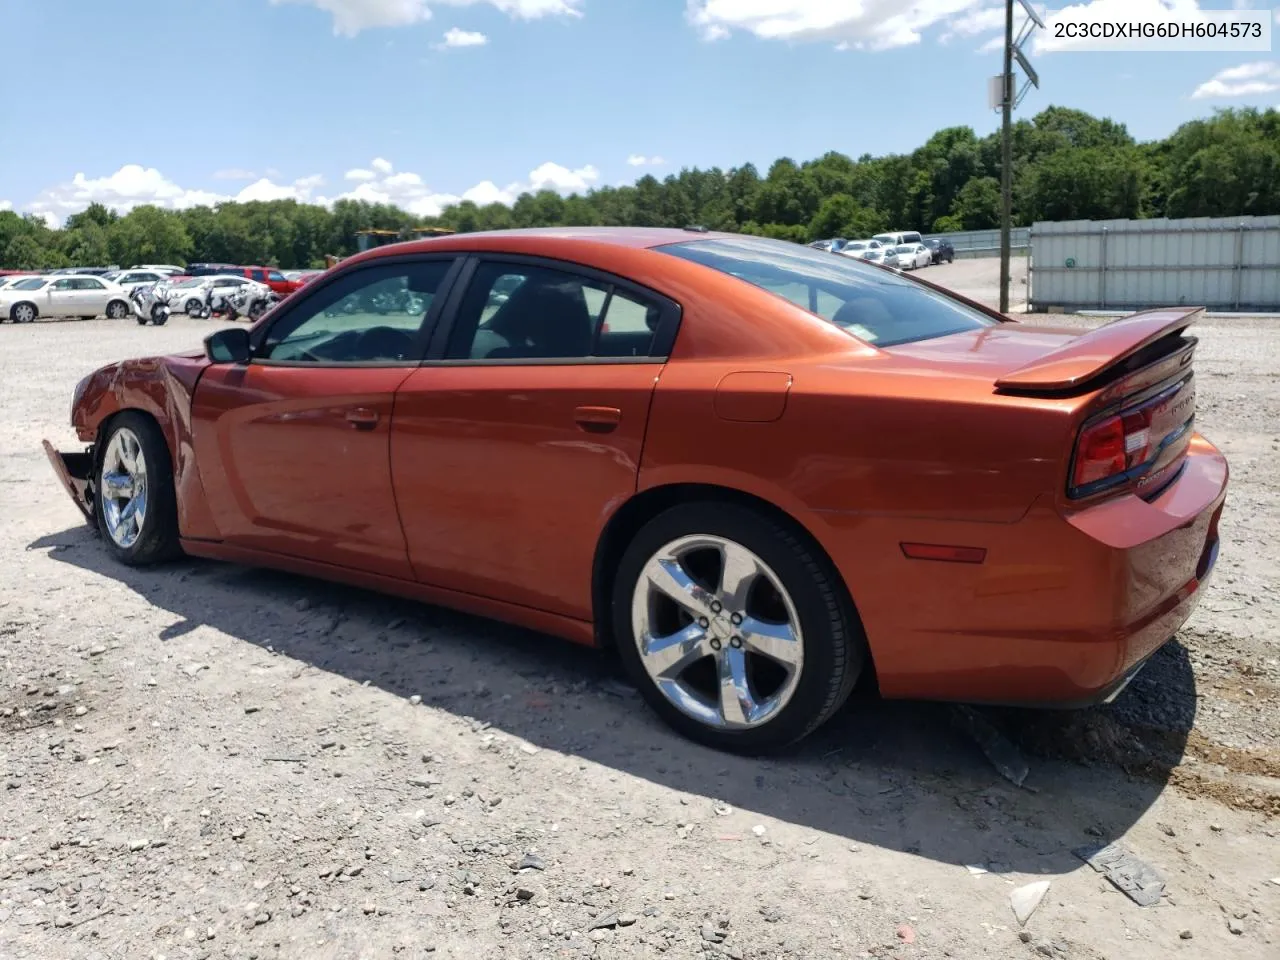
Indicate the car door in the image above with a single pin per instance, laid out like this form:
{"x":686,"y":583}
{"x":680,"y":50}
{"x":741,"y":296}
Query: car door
{"x":91,"y":296}
{"x":292,"y":447}
{"x":61,"y":298}
{"x":522,"y":432}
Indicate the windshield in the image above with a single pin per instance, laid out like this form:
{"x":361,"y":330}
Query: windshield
{"x":868,"y":302}
{"x":855,"y":245}
{"x":35,"y":283}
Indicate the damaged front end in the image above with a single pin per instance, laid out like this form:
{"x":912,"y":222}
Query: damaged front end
{"x":75,"y":470}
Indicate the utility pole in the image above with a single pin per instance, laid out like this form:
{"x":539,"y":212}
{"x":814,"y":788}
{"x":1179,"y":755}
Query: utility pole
{"x":1007,"y":101}
{"x":1006,"y":157}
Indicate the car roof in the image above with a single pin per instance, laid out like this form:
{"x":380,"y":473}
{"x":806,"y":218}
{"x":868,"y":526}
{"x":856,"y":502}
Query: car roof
{"x":630,"y":237}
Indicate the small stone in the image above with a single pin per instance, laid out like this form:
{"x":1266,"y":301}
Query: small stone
{"x":905,"y":933}
{"x":712,"y":934}
{"x":261,"y":918}
{"x":524,"y":893}
{"x":627,"y":919}
{"x":1235,"y":926}
{"x":722,"y":809}
{"x":238,"y":833}
{"x":531,"y":861}
{"x":252,"y":709}
{"x":604,"y":921}
{"x":354,"y":871}
{"x":1185,"y":934}
{"x":136,"y":845}
{"x":370,"y":908}
{"x":415,"y":700}
{"x":97,"y":651}
{"x":628,"y":871}
{"x":81,"y":711}
{"x":598,"y":934}
{"x":1215,"y":827}
{"x":1024,"y":936}
{"x":303,"y":604}
{"x":62,"y":921}
{"x":1167,"y":830}
{"x":759,"y":830}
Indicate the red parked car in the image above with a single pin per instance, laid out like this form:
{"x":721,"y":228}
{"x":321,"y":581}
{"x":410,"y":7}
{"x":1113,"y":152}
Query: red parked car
{"x":273,"y":278}
{"x":774,"y":471}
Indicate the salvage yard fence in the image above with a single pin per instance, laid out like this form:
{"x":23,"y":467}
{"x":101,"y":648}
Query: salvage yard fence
{"x":1222,"y":263}
{"x":984,"y":243}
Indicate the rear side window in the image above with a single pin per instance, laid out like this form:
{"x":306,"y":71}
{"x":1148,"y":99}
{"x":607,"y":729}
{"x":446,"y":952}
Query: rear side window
{"x":526,"y":312}
{"x":875,"y":306}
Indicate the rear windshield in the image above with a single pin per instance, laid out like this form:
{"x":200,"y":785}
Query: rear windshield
{"x":873,"y":305}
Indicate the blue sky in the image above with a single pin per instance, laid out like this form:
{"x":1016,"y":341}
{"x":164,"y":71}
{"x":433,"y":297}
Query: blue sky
{"x":423,"y":101}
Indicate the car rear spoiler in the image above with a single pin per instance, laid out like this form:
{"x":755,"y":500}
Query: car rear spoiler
{"x":1099,"y":352}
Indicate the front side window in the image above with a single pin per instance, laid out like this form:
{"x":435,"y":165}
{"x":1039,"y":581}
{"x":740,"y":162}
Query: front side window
{"x":878,"y":307}
{"x":275,"y":276}
{"x":520,"y":312}
{"x":372,"y":315}
{"x":89,"y":283}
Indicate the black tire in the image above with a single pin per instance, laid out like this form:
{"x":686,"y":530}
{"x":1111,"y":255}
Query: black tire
{"x":23,"y":313}
{"x":158,"y":316}
{"x":193,"y":308}
{"x":157,"y":540}
{"x":833,"y":641}
{"x":117,"y":310}
{"x":142,"y":321}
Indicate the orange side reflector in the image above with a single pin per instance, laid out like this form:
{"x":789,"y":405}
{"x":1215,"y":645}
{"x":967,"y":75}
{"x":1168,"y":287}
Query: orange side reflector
{"x":937,"y":551}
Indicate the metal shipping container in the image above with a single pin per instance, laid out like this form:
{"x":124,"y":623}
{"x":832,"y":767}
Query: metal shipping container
{"x":1223,"y":263}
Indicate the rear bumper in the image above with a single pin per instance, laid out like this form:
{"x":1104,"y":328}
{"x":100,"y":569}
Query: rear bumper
{"x":73,"y":471}
{"x":1064,"y":610}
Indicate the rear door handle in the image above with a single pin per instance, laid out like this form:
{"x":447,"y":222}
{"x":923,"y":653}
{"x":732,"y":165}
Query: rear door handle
{"x":597,"y":419}
{"x":362,"y":418}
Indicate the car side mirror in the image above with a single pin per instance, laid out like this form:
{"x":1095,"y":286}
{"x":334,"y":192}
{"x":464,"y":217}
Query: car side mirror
{"x":228,"y":346}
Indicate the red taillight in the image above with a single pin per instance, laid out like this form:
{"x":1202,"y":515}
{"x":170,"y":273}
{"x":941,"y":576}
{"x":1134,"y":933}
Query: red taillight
{"x":1129,"y":445}
{"x":1099,"y":452}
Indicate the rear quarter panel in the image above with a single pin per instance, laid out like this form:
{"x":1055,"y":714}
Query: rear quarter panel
{"x":161,"y":387}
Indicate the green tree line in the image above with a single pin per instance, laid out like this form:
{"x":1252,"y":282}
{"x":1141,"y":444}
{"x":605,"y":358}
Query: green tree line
{"x":1067,"y":165}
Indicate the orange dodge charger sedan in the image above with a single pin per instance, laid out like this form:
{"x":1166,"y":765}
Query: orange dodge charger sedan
{"x":756,"y":469}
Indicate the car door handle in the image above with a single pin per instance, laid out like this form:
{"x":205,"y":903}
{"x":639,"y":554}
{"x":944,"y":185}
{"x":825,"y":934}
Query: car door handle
{"x":362,"y":418}
{"x":597,"y":419}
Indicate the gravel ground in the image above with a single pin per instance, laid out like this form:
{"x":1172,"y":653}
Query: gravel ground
{"x":206,"y":760}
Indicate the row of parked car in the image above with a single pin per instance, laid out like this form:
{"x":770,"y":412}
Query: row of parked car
{"x":902,"y":250}
{"x":88,"y":292}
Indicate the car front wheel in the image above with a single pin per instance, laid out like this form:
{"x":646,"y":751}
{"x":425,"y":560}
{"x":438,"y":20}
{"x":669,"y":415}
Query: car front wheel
{"x":134,"y":493}
{"x":736,"y":632}
{"x":117,"y":310}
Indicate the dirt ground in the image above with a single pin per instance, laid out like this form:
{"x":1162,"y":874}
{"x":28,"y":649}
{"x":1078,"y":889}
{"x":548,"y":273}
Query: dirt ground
{"x":205,"y":760}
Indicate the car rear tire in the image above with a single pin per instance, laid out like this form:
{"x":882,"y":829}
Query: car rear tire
{"x":134,"y":498}
{"x":22,"y":313}
{"x":117,"y":310}
{"x":750,"y":662}
{"x":194,"y":308}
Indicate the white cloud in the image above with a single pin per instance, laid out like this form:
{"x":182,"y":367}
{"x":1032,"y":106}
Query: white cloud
{"x":463,"y":38}
{"x":134,"y":185}
{"x":860,"y":24}
{"x":552,"y":176}
{"x":640,"y":160}
{"x":973,"y":22}
{"x":6,"y":205}
{"x":1248,"y":79}
{"x":350,"y":17}
{"x":410,"y":192}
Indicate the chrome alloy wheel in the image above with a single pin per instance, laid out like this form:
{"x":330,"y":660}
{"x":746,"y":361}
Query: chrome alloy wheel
{"x":124,"y":488}
{"x":717,"y":632}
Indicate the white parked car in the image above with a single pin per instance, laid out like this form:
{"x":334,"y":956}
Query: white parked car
{"x":167,"y":269}
{"x":135,"y":278}
{"x":913,"y":255}
{"x":190,"y":295}
{"x":85,"y":297}
{"x":882,"y":255}
{"x":858,"y":249}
